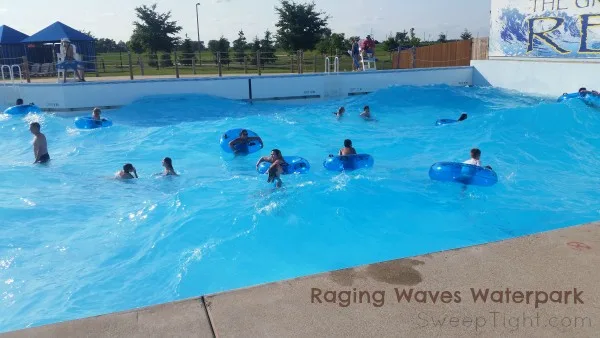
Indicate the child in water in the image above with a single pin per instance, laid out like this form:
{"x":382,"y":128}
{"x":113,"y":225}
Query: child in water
{"x":475,"y":158}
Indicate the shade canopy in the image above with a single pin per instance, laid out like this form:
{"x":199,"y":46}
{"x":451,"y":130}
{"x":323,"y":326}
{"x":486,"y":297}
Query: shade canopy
{"x":55,"y":32}
{"x":9,"y":36}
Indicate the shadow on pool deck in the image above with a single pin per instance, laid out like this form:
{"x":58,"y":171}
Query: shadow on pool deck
{"x":560,"y":260}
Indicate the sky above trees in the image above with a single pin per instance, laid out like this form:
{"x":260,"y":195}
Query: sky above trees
{"x":114,"y":18}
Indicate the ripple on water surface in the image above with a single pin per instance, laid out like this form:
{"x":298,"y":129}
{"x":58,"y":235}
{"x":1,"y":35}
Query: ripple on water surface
{"x":78,"y":243}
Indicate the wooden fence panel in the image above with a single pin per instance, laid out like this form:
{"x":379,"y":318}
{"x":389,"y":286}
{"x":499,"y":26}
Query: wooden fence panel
{"x":449,"y":54}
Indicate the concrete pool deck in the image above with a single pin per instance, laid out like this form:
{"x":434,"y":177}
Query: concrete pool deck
{"x":539,"y":286}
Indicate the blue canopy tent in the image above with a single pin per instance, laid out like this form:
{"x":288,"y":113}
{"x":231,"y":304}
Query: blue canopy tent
{"x":42,"y":46}
{"x":11,"y":48}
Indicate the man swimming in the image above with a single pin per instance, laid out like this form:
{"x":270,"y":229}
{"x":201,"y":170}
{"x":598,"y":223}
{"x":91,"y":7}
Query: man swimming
{"x":168,"y":164}
{"x":19,"y":102}
{"x":340,"y":112}
{"x":475,"y":158}
{"x":127,"y":171}
{"x":348,"y":149}
{"x":366,"y":114}
{"x":40,"y":145}
{"x":462,"y":117}
{"x":240,"y":144}
{"x":276,"y":168}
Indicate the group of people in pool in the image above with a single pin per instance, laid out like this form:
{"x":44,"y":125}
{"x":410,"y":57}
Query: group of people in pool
{"x":366,"y":113}
{"x":238,"y":146}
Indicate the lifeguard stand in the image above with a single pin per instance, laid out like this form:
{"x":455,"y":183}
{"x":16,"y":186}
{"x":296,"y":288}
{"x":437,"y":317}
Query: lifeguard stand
{"x":367,"y":63}
{"x":60,"y":58}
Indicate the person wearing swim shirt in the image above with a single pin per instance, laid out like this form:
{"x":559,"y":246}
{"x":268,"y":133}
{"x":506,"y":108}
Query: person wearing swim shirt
{"x":348,"y":149}
{"x":128,"y":172}
{"x":276,"y":168}
{"x":240,"y":144}
{"x":168,"y":164}
{"x":475,"y":159}
{"x":96,"y":114}
{"x":40,"y":145}
{"x":340,"y":112}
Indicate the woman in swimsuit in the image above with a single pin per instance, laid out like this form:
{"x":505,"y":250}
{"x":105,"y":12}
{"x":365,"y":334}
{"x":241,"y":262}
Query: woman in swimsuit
{"x":277,"y":166}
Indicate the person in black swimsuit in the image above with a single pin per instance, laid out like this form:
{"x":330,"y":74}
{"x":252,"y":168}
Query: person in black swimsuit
{"x":278,"y":165}
{"x":239,"y":146}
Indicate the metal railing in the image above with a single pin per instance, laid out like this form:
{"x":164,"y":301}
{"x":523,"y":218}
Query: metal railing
{"x":178,"y":64}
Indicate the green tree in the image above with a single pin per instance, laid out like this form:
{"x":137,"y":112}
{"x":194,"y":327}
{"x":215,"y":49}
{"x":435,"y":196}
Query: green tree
{"x":267,"y":49}
{"x":414,"y":40}
{"x":402,"y":38}
{"x":300,"y":26}
{"x":390,"y":43}
{"x":255,"y":48}
{"x":332,"y":44}
{"x":155,"y":30}
{"x":135,"y":44}
{"x":239,"y":47}
{"x":466,"y":35}
{"x":442,"y":38}
{"x":187,"y":52}
{"x":221,"y":47}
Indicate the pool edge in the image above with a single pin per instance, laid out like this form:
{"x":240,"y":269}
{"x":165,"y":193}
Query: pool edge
{"x":283,"y":307}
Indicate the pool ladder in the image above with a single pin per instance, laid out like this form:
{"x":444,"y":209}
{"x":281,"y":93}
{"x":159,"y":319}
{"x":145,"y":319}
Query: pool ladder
{"x":335,"y":65}
{"x":10,"y":75}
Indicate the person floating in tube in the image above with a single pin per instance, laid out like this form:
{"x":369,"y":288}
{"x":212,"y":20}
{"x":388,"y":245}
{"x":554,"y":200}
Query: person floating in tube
{"x":475,"y":159}
{"x":277,"y":166}
{"x":239,"y":146}
{"x":583,"y":92}
{"x":128,"y":172}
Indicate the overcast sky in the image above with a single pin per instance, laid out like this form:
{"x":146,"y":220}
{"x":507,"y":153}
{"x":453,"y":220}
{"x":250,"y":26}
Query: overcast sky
{"x":113,"y":18}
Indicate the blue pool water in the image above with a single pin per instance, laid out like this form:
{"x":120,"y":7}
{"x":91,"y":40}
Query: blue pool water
{"x":77,"y":243}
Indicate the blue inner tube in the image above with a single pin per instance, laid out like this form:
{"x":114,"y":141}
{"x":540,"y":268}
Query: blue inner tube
{"x":247,"y":148}
{"x":89,"y":123}
{"x":570,"y":96}
{"x":441,"y":122}
{"x":348,"y":162}
{"x":295,"y":165}
{"x":462,"y":173}
{"x":23,"y":109}
{"x":592,"y":100}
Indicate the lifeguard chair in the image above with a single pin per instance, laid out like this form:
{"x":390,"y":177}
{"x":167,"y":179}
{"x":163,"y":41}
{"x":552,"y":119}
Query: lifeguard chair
{"x":60,"y":57}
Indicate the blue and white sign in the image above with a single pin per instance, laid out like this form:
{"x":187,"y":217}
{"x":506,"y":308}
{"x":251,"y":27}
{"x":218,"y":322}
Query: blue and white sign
{"x":545,"y":28}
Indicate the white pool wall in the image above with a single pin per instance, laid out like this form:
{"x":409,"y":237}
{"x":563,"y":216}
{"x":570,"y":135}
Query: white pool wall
{"x":112,"y":94}
{"x":544,"y":77}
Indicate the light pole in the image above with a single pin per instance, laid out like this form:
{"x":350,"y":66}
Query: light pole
{"x":198,"y":27}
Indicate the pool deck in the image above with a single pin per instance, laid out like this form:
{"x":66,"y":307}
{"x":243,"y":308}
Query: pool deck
{"x":545,"y":263}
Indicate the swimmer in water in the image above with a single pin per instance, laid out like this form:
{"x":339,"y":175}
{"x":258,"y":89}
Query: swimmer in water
{"x":340,"y":112}
{"x":475,"y":159}
{"x":583,"y":92}
{"x":168,"y":164}
{"x":348,"y":149}
{"x":240,"y":144}
{"x":96,"y":114}
{"x":40,"y":145}
{"x":366,"y":114}
{"x":19,"y":102}
{"x":462,"y":117}
{"x":127,"y":171}
{"x":276,"y":168}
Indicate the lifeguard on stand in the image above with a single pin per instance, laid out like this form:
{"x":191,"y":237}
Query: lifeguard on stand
{"x":68,"y":59}
{"x":367,"y":54}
